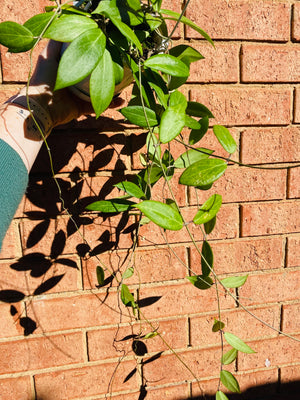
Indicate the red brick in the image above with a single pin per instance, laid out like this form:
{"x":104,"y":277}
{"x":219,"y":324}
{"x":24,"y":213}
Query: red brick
{"x":38,"y":353}
{"x":11,"y":247}
{"x":86,"y":381}
{"x":270,"y":145}
{"x":77,"y":312}
{"x":246,"y":105}
{"x":279,"y":351}
{"x":174,"y":5}
{"x":110,"y":343}
{"x":270,"y":218}
{"x":296,"y":22}
{"x":270,"y":288}
{"x":221,"y":64}
{"x":294,"y":183}
{"x":270,"y":63}
{"x":297,"y":106}
{"x":151,"y":234}
{"x":185,"y":298}
{"x":293,"y":256}
{"x":177,"y":392}
{"x":245,"y":184}
{"x":243,"y":256}
{"x":290,"y":374}
{"x":7,"y":91}
{"x":154,"y":265}
{"x":291,"y":318}
{"x":238,"y":322}
{"x":16,"y":388}
{"x":10,"y":325}
{"x":241,"y":19}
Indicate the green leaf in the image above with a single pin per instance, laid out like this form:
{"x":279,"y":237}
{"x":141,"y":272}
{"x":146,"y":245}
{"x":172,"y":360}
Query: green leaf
{"x":221,"y":396}
{"x":161,"y":214}
{"x":175,"y":16}
{"x":198,"y":110}
{"x":185,"y":53}
{"x":203,"y":172}
{"x":237,"y":343}
{"x":80,"y":58}
{"x":150,"y":335}
{"x":229,"y":381}
{"x":209,"y":226}
{"x":127,"y":32}
{"x":128,"y":273}
{"x":111,"y":206}
{"x":68,"y":27}
{"x":153,"y":147}
{"x":191,"y":156}
{"x":229,"y":357}
{"x":153,"y":21}
{"x":168,"y":162}
{"x":126,"y":297}
{"x":208,"y":210}
{"x":207,"y":259}
{"x":224,"y":137}
{"x":131,"y":188}
{"x":197,"y":134}
{"x":173,"y":118}
{"x":38,"y":23}
{"x":100,"y":275}
{"x":102,"y":84}
{"x":168,"y":65}
{"x":201,"y":282}
{"x":191,"y":123}
{"x":136,"y":115}
{"x":16,"y":37}
{"x":218,"y":326}
{"x":234,"y":281}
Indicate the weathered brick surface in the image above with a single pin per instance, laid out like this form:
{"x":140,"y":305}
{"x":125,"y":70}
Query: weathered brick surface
{"x":296,"y":22}
{"x":243,"y":19}
{"x":258,"y":63}
{"x":291,"y":319}
{"x":270,"y":218}
{"x":243,"y":105}
{"x":293,"y":256}
{"x":294,"y":184}
{"x":16,"y":388}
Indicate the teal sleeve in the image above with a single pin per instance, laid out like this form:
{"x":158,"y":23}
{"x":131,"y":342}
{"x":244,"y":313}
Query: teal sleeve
{"x":13,"y":183}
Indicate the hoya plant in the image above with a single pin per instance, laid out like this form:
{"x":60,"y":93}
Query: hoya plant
{"x":107,"y":44}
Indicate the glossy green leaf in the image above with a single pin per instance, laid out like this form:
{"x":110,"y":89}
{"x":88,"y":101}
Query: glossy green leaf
{"x":126,"y":297}
{"x":168,"y":65}
{"x":127,"y":32}
{"x":221,"y":396}
{"x":68,"y":27}
{"x":131,"y":188}
{"x":111,"y":206}
{"x":201,"y":282}
{"x":80,"y":58}
{"x":175,"y":16}
{"x":218,"y":326}
{"x":128,"y":273}
{"x":198,"y":110}
{"x":185,"y":53}
{"x":161,"y":214}
{"x":224,"y":137}
{"x":39,"y":22}
{"x":191,"y":156}
{"x":207,"y":258}
{"x":173,"y":118}
{"x":229,"y":381}
{"x":150,"y":335}
{"x":102,"y":84}
{"x":203,"y":172}
{"x":210,"y":225}
{"x":15,"y":37}
{"x":191,"y":123}
{"x":234,"y":281}
{"x":156,"y":5}
{"x":197,"y":134}
{"x":229,"y":357}
{"x":237,"y":343}
{"x":153,"y":21}
{"x":153,"y":147}
{"x":100,"y":275}
{"x":140,"y":116}
{"x":208,"y":210}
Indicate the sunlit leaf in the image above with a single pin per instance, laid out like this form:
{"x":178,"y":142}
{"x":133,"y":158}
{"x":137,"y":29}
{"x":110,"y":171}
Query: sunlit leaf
{"x":224,"y":137}
{"x":229,"y":357}
{"x":221,"y":396}
{"x":69,"y":26}
{"x":197,"y":134}
{"x":203,"y":172}
{"x":140,"y":116}
{"x":201,"y":282}
{"x":237,"y":343}
{"x":198,"y":110}
{"x":128,"y":273}
{"x":131,"y":188}
{"x":39,"y":22}
{"x":191,"y":156}
{"x":111,"y":206}
{"x":234,"y":281}
{"x":100,"y":275}
{"x":161,"y":214}
{"x":207,"y":258}
{"x":167,"y":64}
{"x":208,"y":210}
{"x":126,"y":297}
{"x":210,"y":225}
{"x":150,"y":335}
{"x":16,"y":37}
{"x":229,"y":381}
{"x":174,"y":118}
{"x":185,"y":53}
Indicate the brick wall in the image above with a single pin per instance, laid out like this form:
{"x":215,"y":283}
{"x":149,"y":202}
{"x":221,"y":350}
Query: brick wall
{"x":65,"y":339}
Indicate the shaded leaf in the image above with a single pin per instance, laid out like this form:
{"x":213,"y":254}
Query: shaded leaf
{"x":100,"y":275}
{"x":234,"y":281}
{"x":197,"y":134}
{"x":209,"y":226}
{"x":218,"y":326}
{"x":224,"y":137}
{"x":229,"y":381}
{"x":161,"y":214}
{"x":201,"y":282}
{"x":207,"y":259}
{"x":237,"y":343}
{"x":203,"y":172}
{"x":198,"y":110}
{"x":208,"y":210}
